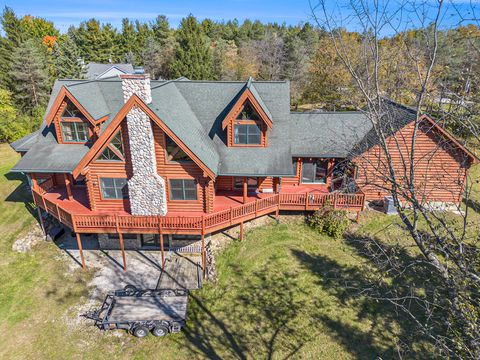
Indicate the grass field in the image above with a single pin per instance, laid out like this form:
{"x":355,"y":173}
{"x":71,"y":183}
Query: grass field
{"x":283,"y":292}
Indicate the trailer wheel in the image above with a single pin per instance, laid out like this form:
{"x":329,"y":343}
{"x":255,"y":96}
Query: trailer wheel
{"x":160,"y":330}
{"x":140,"y":331}
{"x":130,"y":288}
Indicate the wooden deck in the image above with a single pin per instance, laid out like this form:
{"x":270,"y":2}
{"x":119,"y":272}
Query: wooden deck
{"x":228,"y":211}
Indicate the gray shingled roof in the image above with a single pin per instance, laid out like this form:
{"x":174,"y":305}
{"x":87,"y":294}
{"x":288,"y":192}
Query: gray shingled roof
{"x":327,"y":134}
{"x":170,"y":106}
{"x":211,"y":101}
{"x":94,"y":70}
{"x":194,"y":111}
{"x":25,"y":143}
{"x":46,"y":155}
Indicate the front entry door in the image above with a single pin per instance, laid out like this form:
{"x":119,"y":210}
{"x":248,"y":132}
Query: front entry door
{"x":150,"y":241}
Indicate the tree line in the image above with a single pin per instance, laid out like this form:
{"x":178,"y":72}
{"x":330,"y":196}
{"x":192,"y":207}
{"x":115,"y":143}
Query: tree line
{"x":33,"y":53}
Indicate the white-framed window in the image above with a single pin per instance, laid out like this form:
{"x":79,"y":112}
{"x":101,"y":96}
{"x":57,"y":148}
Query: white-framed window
{"x":74,"y":131}
{"x":114,"y":188}
{"x":183,"y":189}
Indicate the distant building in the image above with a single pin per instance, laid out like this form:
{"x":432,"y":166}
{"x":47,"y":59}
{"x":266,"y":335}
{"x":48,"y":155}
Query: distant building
{"x":100,"y":71}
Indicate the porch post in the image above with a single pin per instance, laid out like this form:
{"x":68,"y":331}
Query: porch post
{"x":80,"y":248}
{"x":277,"y":212}
{"x":245,"y":190}
{"x":34,"y":181}
{"x":122,"y":245}
{"x":241,"y":231}
{"x":68,"y":186}
{"x":160,"y":233}
{"x":203,"y":244}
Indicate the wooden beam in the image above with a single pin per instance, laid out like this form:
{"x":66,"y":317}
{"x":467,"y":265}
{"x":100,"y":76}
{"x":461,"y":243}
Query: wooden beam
{"x":162,"y":249}
{"x":245,"y":190}
{"x":122,"y":247}
{"x":80,"y":248}
{"x":122,"y":244}
{"x":68,"y":185}
{"x":203,"y":244}
{"x":277,"y":211}
{"x":241,"y":231}
{"x":34,"y":182}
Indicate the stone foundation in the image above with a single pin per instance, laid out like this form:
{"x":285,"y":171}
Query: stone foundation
{"x":107,"y":243}
{"x":134,"y":242}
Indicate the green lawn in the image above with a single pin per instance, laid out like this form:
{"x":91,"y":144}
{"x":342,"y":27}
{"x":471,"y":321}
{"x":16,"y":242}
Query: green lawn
{"x":284,"y":291}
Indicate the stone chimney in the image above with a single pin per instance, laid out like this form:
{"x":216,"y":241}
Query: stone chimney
{"x":146,"y":189}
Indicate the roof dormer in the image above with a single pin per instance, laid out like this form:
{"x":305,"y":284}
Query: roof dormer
{"x":248,"y":121}
{"x":72,"y":122}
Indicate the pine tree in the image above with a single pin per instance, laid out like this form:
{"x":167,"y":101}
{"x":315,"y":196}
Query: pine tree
{"x":68,"y":62}
{"x":193,"y":57}
{"x":98,"y":43}
{"x":30,"y":76}
{"x":161,"y":29}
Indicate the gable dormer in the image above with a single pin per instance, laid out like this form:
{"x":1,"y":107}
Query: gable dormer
{"x":248,"y":121}
{"x":72,"y":123}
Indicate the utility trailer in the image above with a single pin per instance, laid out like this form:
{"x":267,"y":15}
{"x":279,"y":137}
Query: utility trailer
{"x":160,"y":311}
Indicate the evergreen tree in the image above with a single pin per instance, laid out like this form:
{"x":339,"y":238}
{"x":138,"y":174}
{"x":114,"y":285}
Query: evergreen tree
{"x":30,"y":76}
{"x":161,"y":29}
{"x":130,"y":46}
{"x":193,"y":57}
{"x":68,"y":62}
{"x":97,"y":43}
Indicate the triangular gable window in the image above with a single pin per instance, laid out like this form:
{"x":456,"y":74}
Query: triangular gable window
{"x":174,"y":153}
{"x":114,"y":150}
{"x":71,"y":111}
{"x":248,"y":113}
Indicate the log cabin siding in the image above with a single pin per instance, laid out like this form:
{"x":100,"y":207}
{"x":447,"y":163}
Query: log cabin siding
{"x":113,"y":169}
{"x":440,"y":167}
{"x":231,"y":135}
{"x":58,"y":128}
{"x":224,"y":183}
{"x":175,"y":170}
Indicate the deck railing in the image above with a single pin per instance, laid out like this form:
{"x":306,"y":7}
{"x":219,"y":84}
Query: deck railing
{"x":197,"y":224}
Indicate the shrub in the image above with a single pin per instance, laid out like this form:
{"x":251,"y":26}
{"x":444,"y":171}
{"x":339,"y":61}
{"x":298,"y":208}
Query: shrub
{"x":329,"y":221}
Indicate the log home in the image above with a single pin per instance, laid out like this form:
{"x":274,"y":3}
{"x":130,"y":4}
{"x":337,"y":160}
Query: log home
{"x":156,"y":164}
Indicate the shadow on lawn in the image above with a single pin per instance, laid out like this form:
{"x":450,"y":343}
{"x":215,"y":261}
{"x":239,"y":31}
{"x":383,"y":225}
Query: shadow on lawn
{"x":21,"y":193}
{"x":358,"y":287}
{"x":258,"y":316}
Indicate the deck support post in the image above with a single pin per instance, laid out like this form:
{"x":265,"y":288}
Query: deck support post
{"x":203,"y":244}
{"x":122,"y":244}
{"x":277,"y":211}
{"x":358,"y":217}
{"x":80,"y":248}
{"x":162,"y":249}
{"x":40,"y":218}
{"x":122,"y":247}
{"x":68,"y":185}
{"x":245,"y":188}
{"x":241,"y":231}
